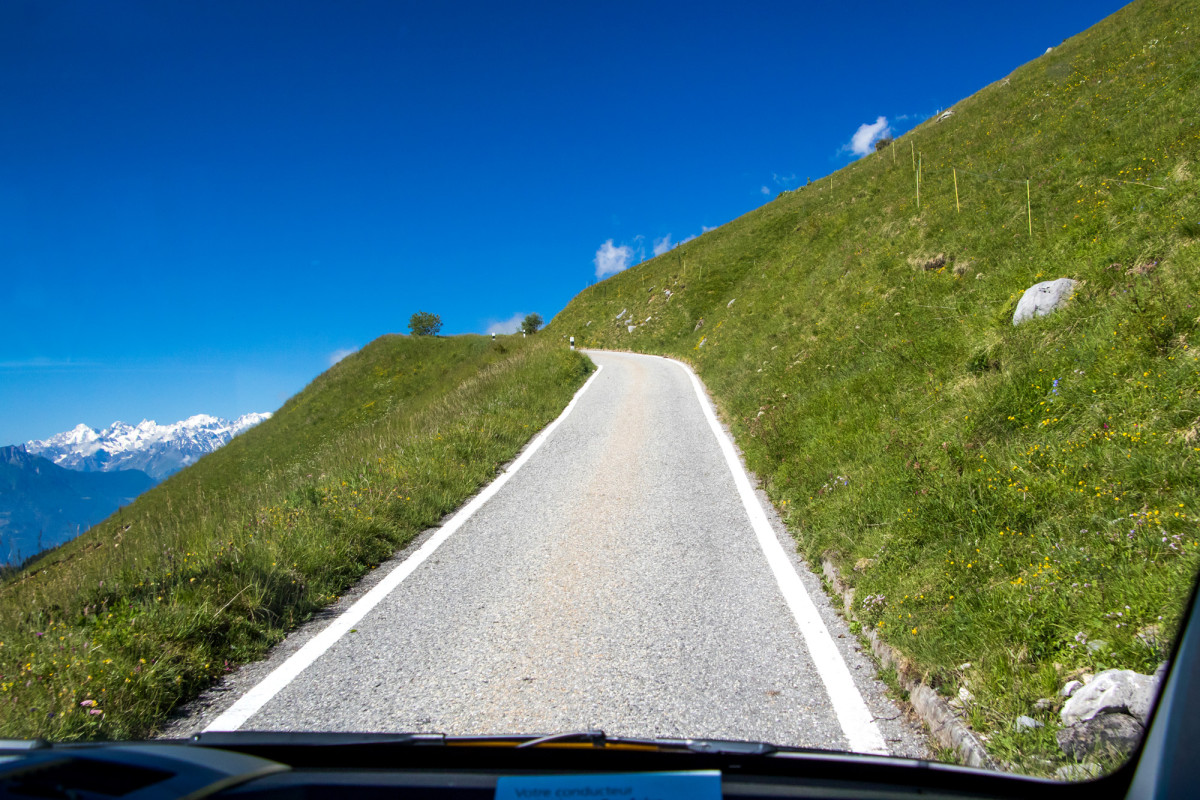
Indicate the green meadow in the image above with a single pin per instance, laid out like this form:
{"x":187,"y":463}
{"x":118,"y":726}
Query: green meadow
{"x":1013,"y":506}
{"x":103,"y":637}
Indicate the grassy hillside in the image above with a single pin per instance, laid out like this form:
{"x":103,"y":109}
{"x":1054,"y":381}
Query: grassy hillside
{"x":1012,"y":504}
{"x":105,"y":635}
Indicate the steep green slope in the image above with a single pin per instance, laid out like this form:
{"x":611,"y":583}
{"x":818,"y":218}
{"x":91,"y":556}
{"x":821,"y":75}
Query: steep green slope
{"x":105,"y":635}
{"x":998,"y":495}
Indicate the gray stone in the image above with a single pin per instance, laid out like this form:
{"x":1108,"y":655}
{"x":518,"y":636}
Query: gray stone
{"x":1071,"y":688}
{"x":1078,"y":772}
{"x":1042,"y":298}
{"x":1112,"y":691}
{"x":630,"y":328}
{"x":1142,"y":703}
{"x":1025,"y":723}
{"x":1107,"y":734}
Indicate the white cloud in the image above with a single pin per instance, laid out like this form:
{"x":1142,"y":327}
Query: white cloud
{"x":863,"y":140}
{"x":706,"y":229}
{"x":610,"y":260}
{"x":338,"y":355}
{"x":686,"y":240}
{"x":785,"y":181}
{"x":662,"y":245}
{"x":765,"y":190}
{"x":510,"y":325}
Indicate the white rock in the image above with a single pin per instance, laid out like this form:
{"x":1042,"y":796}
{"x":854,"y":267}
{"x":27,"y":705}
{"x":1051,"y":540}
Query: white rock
{"x":623,"y":310}
{"x":1042,"y":298}
{"x":1025,"y":723}
{"x":1078,"y":772}
{"x":1071,"y":688}
{"x":965,"y":695}
{"x":730,"y":303}
{"x":631,"y":328}
{"x":1112,"y":691}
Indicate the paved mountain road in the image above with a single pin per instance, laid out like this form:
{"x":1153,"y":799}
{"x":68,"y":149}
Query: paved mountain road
{"x":614,"y":582}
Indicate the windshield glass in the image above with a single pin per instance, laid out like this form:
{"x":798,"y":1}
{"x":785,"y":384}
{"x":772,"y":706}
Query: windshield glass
{"x":704,"y":372}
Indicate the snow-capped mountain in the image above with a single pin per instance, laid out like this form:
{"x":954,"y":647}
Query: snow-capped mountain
{"x":157,"y":450}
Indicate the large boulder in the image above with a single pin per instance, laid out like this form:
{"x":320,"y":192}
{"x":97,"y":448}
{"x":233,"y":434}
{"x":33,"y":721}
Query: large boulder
{"x":1114,"y":691}
{"x":1107,"y":734}
{"x":1042,"y":298}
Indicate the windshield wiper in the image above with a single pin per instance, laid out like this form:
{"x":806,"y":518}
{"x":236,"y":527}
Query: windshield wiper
{"x":595,"y":736}
{"x":591,"y":738}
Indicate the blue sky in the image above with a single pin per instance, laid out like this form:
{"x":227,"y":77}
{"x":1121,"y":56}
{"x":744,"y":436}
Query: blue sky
{"x":202,"y":204}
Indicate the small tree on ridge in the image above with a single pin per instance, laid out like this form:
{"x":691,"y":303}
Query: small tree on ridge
{"x":424,"y":323}
{"x":531,"y":323}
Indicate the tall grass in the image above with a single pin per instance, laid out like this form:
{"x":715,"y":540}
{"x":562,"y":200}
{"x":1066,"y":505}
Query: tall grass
{"x":1013,"y":505}
{"x":103,"y":637}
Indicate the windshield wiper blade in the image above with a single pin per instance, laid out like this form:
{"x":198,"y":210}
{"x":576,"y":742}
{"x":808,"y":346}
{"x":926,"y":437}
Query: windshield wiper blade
{"x":595,"y":736}
{"x":598,"y":739}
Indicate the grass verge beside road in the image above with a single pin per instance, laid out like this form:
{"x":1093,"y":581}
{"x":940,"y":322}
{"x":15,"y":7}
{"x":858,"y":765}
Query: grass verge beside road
{"x":102,"y":637}
{"x":1013,"y":505}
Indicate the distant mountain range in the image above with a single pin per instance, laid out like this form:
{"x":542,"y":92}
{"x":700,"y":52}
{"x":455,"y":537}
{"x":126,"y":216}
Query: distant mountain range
{"x":157,"y":450}
{"x":53,"y":489}
{"x":43,"y":505}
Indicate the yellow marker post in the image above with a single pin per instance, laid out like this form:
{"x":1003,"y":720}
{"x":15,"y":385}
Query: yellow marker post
{"x":1029,"y":209}
{"x":918,"y":188}
{"x":957,"y":207}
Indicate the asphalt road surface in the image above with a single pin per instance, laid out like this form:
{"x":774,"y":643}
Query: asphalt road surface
{"x":615,"y":581}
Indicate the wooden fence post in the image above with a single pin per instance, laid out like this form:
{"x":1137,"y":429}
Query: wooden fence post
{"x":918,"y":187}
{"x":1028,"y":209}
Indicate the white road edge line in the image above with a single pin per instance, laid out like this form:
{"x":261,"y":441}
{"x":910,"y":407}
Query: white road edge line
{"x":857,"y":721}
{"x":249,"y":703}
